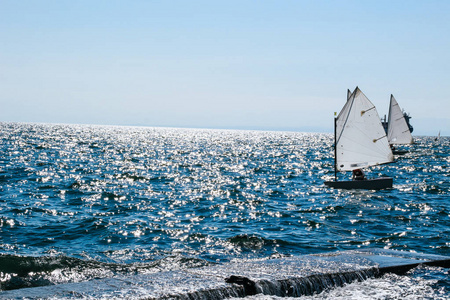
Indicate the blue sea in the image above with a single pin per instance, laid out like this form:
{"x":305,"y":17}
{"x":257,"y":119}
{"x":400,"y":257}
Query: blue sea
{"x":81,"y":202}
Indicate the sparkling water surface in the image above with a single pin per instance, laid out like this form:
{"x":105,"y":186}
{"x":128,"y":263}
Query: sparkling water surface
{"x":79,"y":202}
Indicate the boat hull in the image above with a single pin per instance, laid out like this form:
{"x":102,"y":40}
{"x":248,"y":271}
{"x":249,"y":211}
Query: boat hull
{"x":368,"y":184}
{"x":399,"y":152}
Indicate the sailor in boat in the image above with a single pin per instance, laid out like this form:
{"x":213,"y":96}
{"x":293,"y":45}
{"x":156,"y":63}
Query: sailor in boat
{"x":358,"y":174}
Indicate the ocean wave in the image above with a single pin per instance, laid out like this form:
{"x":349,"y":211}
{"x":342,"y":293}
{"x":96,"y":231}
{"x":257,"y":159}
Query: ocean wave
{"x":18,"y":272}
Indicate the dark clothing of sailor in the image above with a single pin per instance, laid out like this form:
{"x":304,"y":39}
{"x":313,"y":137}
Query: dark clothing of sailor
{"x":358,"y":174}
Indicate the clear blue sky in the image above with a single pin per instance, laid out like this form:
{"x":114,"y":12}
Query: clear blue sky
{"x":272,"y":65}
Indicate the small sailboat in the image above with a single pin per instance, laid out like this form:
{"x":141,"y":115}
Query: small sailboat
{"x":438,"y":138}
{"x":360,"y":142}
{"x":398,"y":132}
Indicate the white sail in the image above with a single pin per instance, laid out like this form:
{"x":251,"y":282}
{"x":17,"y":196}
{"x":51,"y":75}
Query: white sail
{"x":398,"y":130}
{"x":360,"y":138}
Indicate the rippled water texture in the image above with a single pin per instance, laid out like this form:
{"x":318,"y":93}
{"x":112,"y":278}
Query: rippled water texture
{"x":81,"y":202}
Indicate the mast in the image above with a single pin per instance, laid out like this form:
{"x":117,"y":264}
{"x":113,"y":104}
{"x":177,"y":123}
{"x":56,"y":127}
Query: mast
{"x":390,"y":121}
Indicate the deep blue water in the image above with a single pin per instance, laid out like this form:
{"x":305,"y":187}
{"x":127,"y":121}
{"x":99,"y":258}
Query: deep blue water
{"x":79,"y":202}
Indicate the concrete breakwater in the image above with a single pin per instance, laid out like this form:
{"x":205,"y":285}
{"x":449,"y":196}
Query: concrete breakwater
{"x":290,"y":276}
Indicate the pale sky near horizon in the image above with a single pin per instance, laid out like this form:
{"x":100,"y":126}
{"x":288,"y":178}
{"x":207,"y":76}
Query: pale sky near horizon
{"x":268,"y":65}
